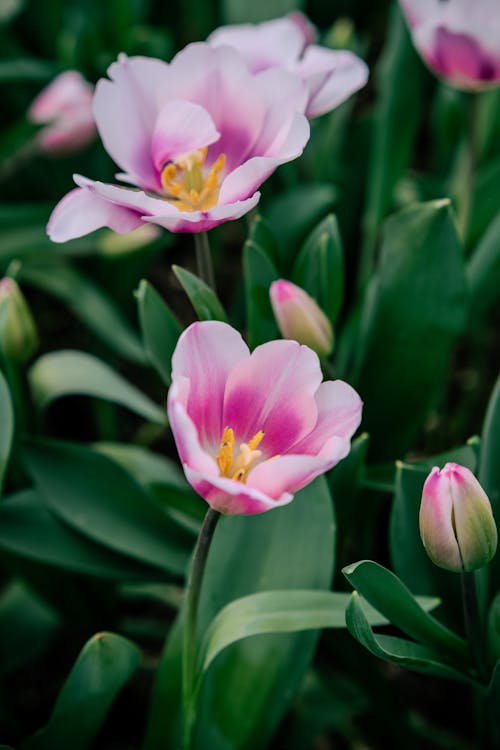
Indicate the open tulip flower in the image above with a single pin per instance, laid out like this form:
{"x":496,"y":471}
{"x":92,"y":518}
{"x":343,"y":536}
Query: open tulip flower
{"x":458,"y":39}
{"x":195,"y":139}
{"x":252,"y":429}
{"x":331,"y":76}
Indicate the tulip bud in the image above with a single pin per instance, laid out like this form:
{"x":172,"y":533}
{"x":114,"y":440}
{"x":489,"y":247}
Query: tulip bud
{"x":456,"y":522}
{"x":299,"y":317}
{"x":65,"y":108}
{"x":18,"y":335}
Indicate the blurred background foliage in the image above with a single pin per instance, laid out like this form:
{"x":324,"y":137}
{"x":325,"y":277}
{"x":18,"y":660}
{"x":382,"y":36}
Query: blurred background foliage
{"x":97,"y":522}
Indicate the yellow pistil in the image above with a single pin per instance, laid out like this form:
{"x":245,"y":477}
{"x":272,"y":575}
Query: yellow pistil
{"x":186,"y":185}
{"x":237,"y":468}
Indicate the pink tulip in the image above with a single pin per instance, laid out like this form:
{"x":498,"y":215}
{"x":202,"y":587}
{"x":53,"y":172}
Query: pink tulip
{"x":252,"y":429}
{"x":458,"y":39}
{"x":300,"y":318}
{"x":331,"y":76}
{"x":195,"y":139}
{"x":65,"y":106}
{"x":456,"y":522}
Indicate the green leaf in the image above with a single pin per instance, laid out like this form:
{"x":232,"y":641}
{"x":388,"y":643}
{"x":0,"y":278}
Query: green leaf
{"x":395,"y":126}
{"x":259,"y":273}
{"x":397,"y":650}
{"x":261,"y":235}
{"x":388,"y":595}
{"x":489,"y":468}
{"x":29,"y":530}
{"x":160,"y":329}
{"x":204,"y":300}
{"x":71,"y":372}
{"x":88,"y":303}
{"x":493,"y":701}
{"x":279,"y":612}
{"x":293,"y":214}
{"x":95,"y":496}
{"x":105,"y":664}
{"x":483,"y":270}
{"x":27,"y":625}
{"x":319,"y":268}
{"x":485,"y":201}
{"x":247,"y":690}
{"x":26,"y":69}
{"x":413,"y":312}
{"x":6,"y":427}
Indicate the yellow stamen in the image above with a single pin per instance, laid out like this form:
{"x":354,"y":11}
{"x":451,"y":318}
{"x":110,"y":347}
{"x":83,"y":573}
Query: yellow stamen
{"x":186,"y":185}
{"x":238,"y":467}
{"x":225,"y":455}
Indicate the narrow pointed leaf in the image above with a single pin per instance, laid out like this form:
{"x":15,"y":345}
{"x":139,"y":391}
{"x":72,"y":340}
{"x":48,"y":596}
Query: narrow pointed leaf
{"x":204,"y":300}
{"x":160,"y":329}
{"x":259,"y":273}
{"x":70,"y":372}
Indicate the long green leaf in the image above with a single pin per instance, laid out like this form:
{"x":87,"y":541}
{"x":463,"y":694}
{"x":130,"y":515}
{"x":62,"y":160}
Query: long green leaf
{"x":280,"y":612}
{"x":397,"y":650}
{"x":414,"y":310}
{"x":104,"y":666}
{"x":204,"y":300}
{"x":70,"y":372}
{"x":88,"y":303}
{"x":160,"y":329}
{"x":99,"y":499}
{"x":489,"y":465}
{"x":259,"y":273}
{"x":388,"y":595}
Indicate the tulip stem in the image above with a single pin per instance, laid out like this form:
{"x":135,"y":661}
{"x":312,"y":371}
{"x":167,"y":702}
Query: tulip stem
{"x":473,"y":622}
{"x":204,"y":259}
{"x":189,"y":649}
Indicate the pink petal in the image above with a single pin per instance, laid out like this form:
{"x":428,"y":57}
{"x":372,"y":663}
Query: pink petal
{"x":181,"y":127}
{"x":125,"y":111}
{"x":273,"y":391}
{"x":68,"y":92}
{"x":246,"y":179}
{"x":266,"y":45}
{"x":286,"y":474}
{"x":81,"y":212}
{"x":206,"y":353}
{"x":332,"y":76}
{"x":435,"y":520}
{"x":202,"y":221}
{"x":230,"y":497}
{"x":339,"y":415}
{"x":215,"y":79}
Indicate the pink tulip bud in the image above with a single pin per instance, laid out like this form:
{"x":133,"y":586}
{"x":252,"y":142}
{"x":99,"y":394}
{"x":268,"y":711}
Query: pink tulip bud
{"x":456,"y":522}
{"x":299,"y":317}
{"x":18,"y":335}
{"x":65,"y":107}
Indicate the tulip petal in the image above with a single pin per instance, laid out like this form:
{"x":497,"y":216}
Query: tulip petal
{"x":181,"y":127}
{"x":332,"y":76}
{"x":273,"y":390}
{"x":339,"y":414}
{"x":81,"y":212}
{"x":435,"y":520}
{"x":266,"y":45}
{"x":231,"y":497}
{"x":291,"y":472}
{"x":206,"y":354}
{"x":125,"y":110}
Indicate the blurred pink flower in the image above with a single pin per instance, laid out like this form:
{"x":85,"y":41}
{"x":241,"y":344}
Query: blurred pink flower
{"x":456,"y":522}
{"x":195,"y":139}
{"x":331,"y":76}
{"x":65,"y":106}
{"x":252,"y":429}
{"x":458,"y":39}
{"x":300,"y":318}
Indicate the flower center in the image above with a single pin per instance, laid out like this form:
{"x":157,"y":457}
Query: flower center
{"x":237,"y":468}
{"x":188,"y":185}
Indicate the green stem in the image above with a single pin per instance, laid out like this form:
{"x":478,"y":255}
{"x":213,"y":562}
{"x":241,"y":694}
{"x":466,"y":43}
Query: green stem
{"x":191,"y":622}
{"x":473,"y":623}
{"x":204,"y":259}
{"x":470,"y":166}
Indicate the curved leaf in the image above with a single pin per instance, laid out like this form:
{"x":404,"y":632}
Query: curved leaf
{"x":70,"y":372}
{"x":259,"y":273}
{"x":204,"y":300}
{"x":104,"y":665}
{"x":160,"y":329}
